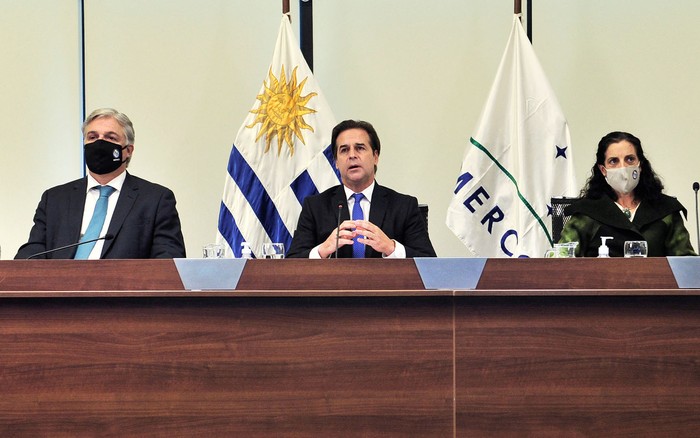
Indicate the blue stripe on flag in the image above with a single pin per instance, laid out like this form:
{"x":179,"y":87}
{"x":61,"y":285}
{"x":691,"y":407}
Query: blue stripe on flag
{"x":303,"y":186}
{"x":257,"y":197}
{"x":328,"y":152}
{"x":229,"y":230}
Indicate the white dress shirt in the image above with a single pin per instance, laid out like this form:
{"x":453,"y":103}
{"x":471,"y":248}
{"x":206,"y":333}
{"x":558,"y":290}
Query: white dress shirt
{"x":91,"y":197}
{"x":365,"y":204}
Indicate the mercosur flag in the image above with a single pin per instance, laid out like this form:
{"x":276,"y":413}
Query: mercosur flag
{"x":281,"y":154}
{"x":519,"y":157}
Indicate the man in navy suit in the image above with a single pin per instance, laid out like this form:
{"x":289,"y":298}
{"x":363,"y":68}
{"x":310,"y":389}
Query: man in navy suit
{"x":392,"y":226}
{"x":140,"y":216}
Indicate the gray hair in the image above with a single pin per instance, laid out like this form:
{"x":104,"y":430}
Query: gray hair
{"x":121,"y":118}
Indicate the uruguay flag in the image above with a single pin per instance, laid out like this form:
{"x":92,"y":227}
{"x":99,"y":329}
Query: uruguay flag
{"x":519,"y":157}
{"x":281,"y":154}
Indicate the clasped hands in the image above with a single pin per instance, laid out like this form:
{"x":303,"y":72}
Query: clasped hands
{"x":369,"y":233}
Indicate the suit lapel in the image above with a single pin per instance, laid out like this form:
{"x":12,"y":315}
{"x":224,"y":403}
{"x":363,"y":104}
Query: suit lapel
{"x":338,"y":198}
{"x":377,"y":212}
{"x":127,"y":198}
{"x":76,"y":209}
{"x":378,"y":207}
{"x":605,"y":211}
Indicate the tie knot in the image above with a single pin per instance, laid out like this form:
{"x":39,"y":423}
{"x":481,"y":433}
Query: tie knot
{"x":106,"y":191}
{"x":358,"y":196}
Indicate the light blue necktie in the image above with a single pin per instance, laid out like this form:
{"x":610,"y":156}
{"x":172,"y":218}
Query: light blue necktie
{"x":96,"y":223}
{"x":358,"y":249}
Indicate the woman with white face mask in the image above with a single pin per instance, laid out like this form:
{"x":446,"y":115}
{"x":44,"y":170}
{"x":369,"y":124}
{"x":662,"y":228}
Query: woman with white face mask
{"x":623,"y":198}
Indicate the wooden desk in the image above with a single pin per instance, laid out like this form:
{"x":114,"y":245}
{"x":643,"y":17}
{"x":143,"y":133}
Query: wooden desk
{"x":541,"y":348}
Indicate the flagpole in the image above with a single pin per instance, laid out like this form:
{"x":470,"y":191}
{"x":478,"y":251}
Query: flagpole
{"x":83,"y":100}
{"x":306,"y":31}
{"x":518,"y":8}
{"x":285,"y":7}
{"x":529,"y":20}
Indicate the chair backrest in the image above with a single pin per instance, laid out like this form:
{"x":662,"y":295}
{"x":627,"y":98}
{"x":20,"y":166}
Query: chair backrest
{"x":424,"y":209}
{"x":559,"y":219}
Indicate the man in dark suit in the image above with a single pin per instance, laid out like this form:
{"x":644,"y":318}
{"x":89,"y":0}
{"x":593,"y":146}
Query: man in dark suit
{"x":140,"y":216}
{"x":392,"y":226}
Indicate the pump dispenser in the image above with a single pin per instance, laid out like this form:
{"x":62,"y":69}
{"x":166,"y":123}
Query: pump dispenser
{"x":603,"y":250}
{"x":246,"y":252}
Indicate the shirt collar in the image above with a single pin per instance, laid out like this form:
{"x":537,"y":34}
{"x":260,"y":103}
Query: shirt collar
{"x":116,"y":183}
{"x":367,"y":192}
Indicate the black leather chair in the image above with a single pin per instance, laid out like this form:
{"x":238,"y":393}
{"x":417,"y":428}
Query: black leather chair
{"x":559,"y":219}
{"x":424,"y":209}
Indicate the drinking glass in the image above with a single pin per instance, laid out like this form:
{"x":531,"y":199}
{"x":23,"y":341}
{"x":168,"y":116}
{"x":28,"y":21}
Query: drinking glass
{"x":562,"y":250}
{"x":213,"y":251}
{"x":273,"y":250}
{"x":636,"y":248}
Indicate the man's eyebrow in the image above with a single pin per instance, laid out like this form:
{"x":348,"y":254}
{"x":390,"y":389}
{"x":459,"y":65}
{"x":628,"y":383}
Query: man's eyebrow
{"x":106,"y":133}
{"x":347,"y":145}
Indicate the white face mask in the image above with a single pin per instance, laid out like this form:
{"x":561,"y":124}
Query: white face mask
{"x":623,"y":179}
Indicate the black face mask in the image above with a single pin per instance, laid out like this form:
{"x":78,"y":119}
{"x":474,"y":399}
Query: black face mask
{"x":102,"y":156}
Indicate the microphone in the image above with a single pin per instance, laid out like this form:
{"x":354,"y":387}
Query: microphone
{"x":337,"y":230}
{"x":696,"y":187}
{"x":105,"y":237}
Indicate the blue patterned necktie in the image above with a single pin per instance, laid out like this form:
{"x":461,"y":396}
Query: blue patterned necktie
{"x":358,"y":249}
{"x":96,"y":223}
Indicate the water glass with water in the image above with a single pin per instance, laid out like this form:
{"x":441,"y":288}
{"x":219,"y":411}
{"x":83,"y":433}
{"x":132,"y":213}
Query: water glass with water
{"x":636,"y":248}
{"x":273,"y":250}
{"x":213,"y":251}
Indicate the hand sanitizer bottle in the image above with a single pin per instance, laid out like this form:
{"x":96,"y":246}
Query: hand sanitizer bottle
{"x":603,"y":250}
{"x":246,"y":252}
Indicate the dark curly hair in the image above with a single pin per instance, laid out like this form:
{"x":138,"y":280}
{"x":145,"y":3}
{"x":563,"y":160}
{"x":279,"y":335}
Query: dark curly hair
{"x":649,"y":187}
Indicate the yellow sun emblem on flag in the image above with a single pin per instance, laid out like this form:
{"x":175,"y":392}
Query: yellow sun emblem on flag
{"x":282,"y":110}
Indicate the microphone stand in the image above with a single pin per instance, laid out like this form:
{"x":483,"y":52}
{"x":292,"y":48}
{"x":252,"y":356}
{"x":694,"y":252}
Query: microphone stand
{"x":105,"y":237}
{"x":337,"y":230}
